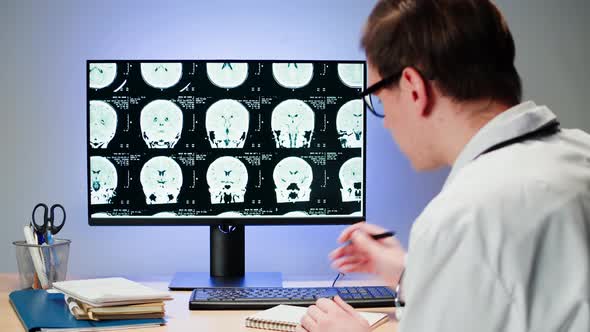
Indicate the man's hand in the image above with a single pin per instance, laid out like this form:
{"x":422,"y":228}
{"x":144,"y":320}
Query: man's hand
{"x":332,"y":316}
{"x":384,"y":257}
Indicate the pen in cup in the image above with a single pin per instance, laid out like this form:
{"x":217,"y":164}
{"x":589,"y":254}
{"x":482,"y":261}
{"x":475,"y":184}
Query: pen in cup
{"x":36,"y":256}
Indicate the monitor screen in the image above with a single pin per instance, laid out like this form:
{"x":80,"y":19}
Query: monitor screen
{"x":251,"y":141}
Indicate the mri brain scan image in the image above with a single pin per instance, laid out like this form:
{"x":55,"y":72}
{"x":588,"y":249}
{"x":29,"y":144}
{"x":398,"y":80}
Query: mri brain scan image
{"x":349,"y":123}
{"x":161,"y":124}
{"x":103,"y":124}
{"x":292,"y":177}
{"x":227,"y":178}
{"x":161,"y":75}
{"x":103,"y":180}
{"x":227,"y":75}
{"x":292,"y":75}
{"x":351,"y":179}
{"x":102,"y":75}
{"x":227,"y":124}
{"x":161,"y":180}
{"x":292,"y":123}
{"x":351,"y":74}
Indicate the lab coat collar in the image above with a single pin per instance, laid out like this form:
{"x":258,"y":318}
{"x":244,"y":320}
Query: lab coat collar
{"x":516,"y":121}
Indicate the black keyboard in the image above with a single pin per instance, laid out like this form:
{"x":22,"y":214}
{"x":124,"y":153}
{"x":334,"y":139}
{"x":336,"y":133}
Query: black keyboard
{"x":266,"y":297}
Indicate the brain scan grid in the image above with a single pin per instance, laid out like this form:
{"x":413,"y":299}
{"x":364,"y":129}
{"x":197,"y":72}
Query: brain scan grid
{"x":215,"y":139}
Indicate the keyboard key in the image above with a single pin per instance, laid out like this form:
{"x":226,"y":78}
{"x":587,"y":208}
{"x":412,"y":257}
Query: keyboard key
{"x":262,"y":299}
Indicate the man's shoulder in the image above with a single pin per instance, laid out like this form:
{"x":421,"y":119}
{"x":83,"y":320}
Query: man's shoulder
{"x":561,"y":164}
{"x":525,"y":182}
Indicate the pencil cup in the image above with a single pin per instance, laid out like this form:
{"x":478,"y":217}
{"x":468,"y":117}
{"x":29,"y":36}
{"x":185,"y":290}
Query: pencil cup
{"x":41,"y":265}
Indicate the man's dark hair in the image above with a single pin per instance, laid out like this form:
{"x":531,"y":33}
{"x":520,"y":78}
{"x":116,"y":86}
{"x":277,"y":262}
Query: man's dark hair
{"x":464,"y":45}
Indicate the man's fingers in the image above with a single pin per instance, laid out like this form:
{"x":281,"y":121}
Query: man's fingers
{"x":364,"y":243}
{"x":326,"y":305}
{"x":300,"y":328}
{"x":359,"y":268}
{"x":307,"y":323}
{"x":345,"y":235}
{"x":354,"y":248}
{"x":341,"y":251}
{"x":347,"y":307}
{"x":351,"y":260}
{"x":315,"y":313}
{"x":363,"y":226}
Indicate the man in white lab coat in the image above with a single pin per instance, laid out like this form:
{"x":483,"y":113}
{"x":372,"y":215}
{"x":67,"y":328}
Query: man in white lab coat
{"x":505,"y":246}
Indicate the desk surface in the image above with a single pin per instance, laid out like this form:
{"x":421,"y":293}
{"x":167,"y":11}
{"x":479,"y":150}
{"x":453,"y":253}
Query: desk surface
{"x":177,"y":314}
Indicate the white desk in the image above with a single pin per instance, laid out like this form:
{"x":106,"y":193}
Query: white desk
{"x":177,"y":314}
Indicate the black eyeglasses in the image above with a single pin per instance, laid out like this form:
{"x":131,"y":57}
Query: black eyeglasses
{"x":368,"y":94}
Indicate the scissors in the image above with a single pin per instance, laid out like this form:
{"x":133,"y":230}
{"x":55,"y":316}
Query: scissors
{"x":50,"y":226}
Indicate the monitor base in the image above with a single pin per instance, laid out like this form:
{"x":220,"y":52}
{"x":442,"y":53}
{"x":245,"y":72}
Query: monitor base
{"x":192,"y":280}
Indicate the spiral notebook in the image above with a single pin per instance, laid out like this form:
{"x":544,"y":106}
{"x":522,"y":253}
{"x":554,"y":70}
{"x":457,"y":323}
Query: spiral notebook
{"x":287,"y":317}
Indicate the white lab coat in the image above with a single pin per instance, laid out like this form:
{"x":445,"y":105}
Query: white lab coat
{"x":505,"y":246}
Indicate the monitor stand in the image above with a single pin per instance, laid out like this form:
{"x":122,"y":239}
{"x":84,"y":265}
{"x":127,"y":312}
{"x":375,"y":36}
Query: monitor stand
{"x":227,"y":264}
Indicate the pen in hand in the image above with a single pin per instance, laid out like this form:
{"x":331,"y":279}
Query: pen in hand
{"x":374,"y":236}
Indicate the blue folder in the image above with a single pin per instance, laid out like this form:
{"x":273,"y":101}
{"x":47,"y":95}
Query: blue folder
{"x":38,"y":309}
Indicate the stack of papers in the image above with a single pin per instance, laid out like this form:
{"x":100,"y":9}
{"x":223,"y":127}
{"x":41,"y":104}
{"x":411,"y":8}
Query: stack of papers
{"x":39,"y":310}
{"x":112,"y":298}
{"x":82,"y":310}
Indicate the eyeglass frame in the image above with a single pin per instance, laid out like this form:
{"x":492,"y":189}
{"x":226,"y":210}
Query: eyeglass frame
{"x":365,"y":95}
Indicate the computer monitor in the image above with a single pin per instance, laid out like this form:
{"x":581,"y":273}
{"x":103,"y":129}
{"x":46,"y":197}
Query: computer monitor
{"x":225,"y":143}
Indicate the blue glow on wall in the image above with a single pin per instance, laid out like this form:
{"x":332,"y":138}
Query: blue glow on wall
{"x":45,"y":91}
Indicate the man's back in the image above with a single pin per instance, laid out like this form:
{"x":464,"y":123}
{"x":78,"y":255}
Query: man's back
{"x":506,"y":244}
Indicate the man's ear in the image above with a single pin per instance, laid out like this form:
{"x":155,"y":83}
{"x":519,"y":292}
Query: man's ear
{"x":414,"y":85}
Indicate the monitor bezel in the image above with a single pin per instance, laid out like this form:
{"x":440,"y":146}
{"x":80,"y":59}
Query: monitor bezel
{"x":213,"y":220}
